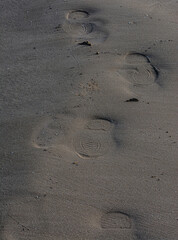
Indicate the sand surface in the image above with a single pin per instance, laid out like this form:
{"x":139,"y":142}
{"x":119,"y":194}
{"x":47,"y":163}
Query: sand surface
{"x":89,"y":114}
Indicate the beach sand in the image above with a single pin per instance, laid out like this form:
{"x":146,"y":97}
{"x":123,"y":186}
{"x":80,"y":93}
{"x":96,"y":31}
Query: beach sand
{"x":89,"y":116}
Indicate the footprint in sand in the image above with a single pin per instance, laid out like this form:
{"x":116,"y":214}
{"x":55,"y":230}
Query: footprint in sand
{"x":120,"y":224}
{"x":79,"y":26}
{"x":139,"y":71}
{"x":50,"y":132}
{"x":116,"y":220}
{"x":95,"y":139}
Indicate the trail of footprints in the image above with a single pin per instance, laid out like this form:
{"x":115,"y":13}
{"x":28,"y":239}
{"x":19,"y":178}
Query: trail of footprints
{"x":136,"y":68}
{"x":92,"y":139}
{"x":80,"y":26}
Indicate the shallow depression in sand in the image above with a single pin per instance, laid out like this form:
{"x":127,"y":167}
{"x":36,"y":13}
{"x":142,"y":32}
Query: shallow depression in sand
{"x":85,"y":30}
{"x":142,"y":75}
{"x":49,"y":133}
{"x":77,"y":15}
{"x":116,"y":220}
{"x":98,"y":124}
{"x":89,"y":144}
{"x":79,"y":28}
{"x":138,"y":70}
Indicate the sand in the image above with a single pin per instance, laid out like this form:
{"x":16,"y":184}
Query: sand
{"x":89,"y":116}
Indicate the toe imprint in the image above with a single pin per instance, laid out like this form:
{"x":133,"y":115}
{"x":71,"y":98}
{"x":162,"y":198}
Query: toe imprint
{"x":98,"y":124}
{"x":77,"y":15}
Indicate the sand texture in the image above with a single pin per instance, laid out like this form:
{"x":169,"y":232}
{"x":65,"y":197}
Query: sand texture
{"x":89,"y":119}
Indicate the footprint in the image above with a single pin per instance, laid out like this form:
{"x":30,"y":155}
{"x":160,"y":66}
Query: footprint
{"x":95,"y":139}
{"x":138,"y":70}
{"x":116,"y":220}
{"x":50,"y":132}
{"x":79,"y":26}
